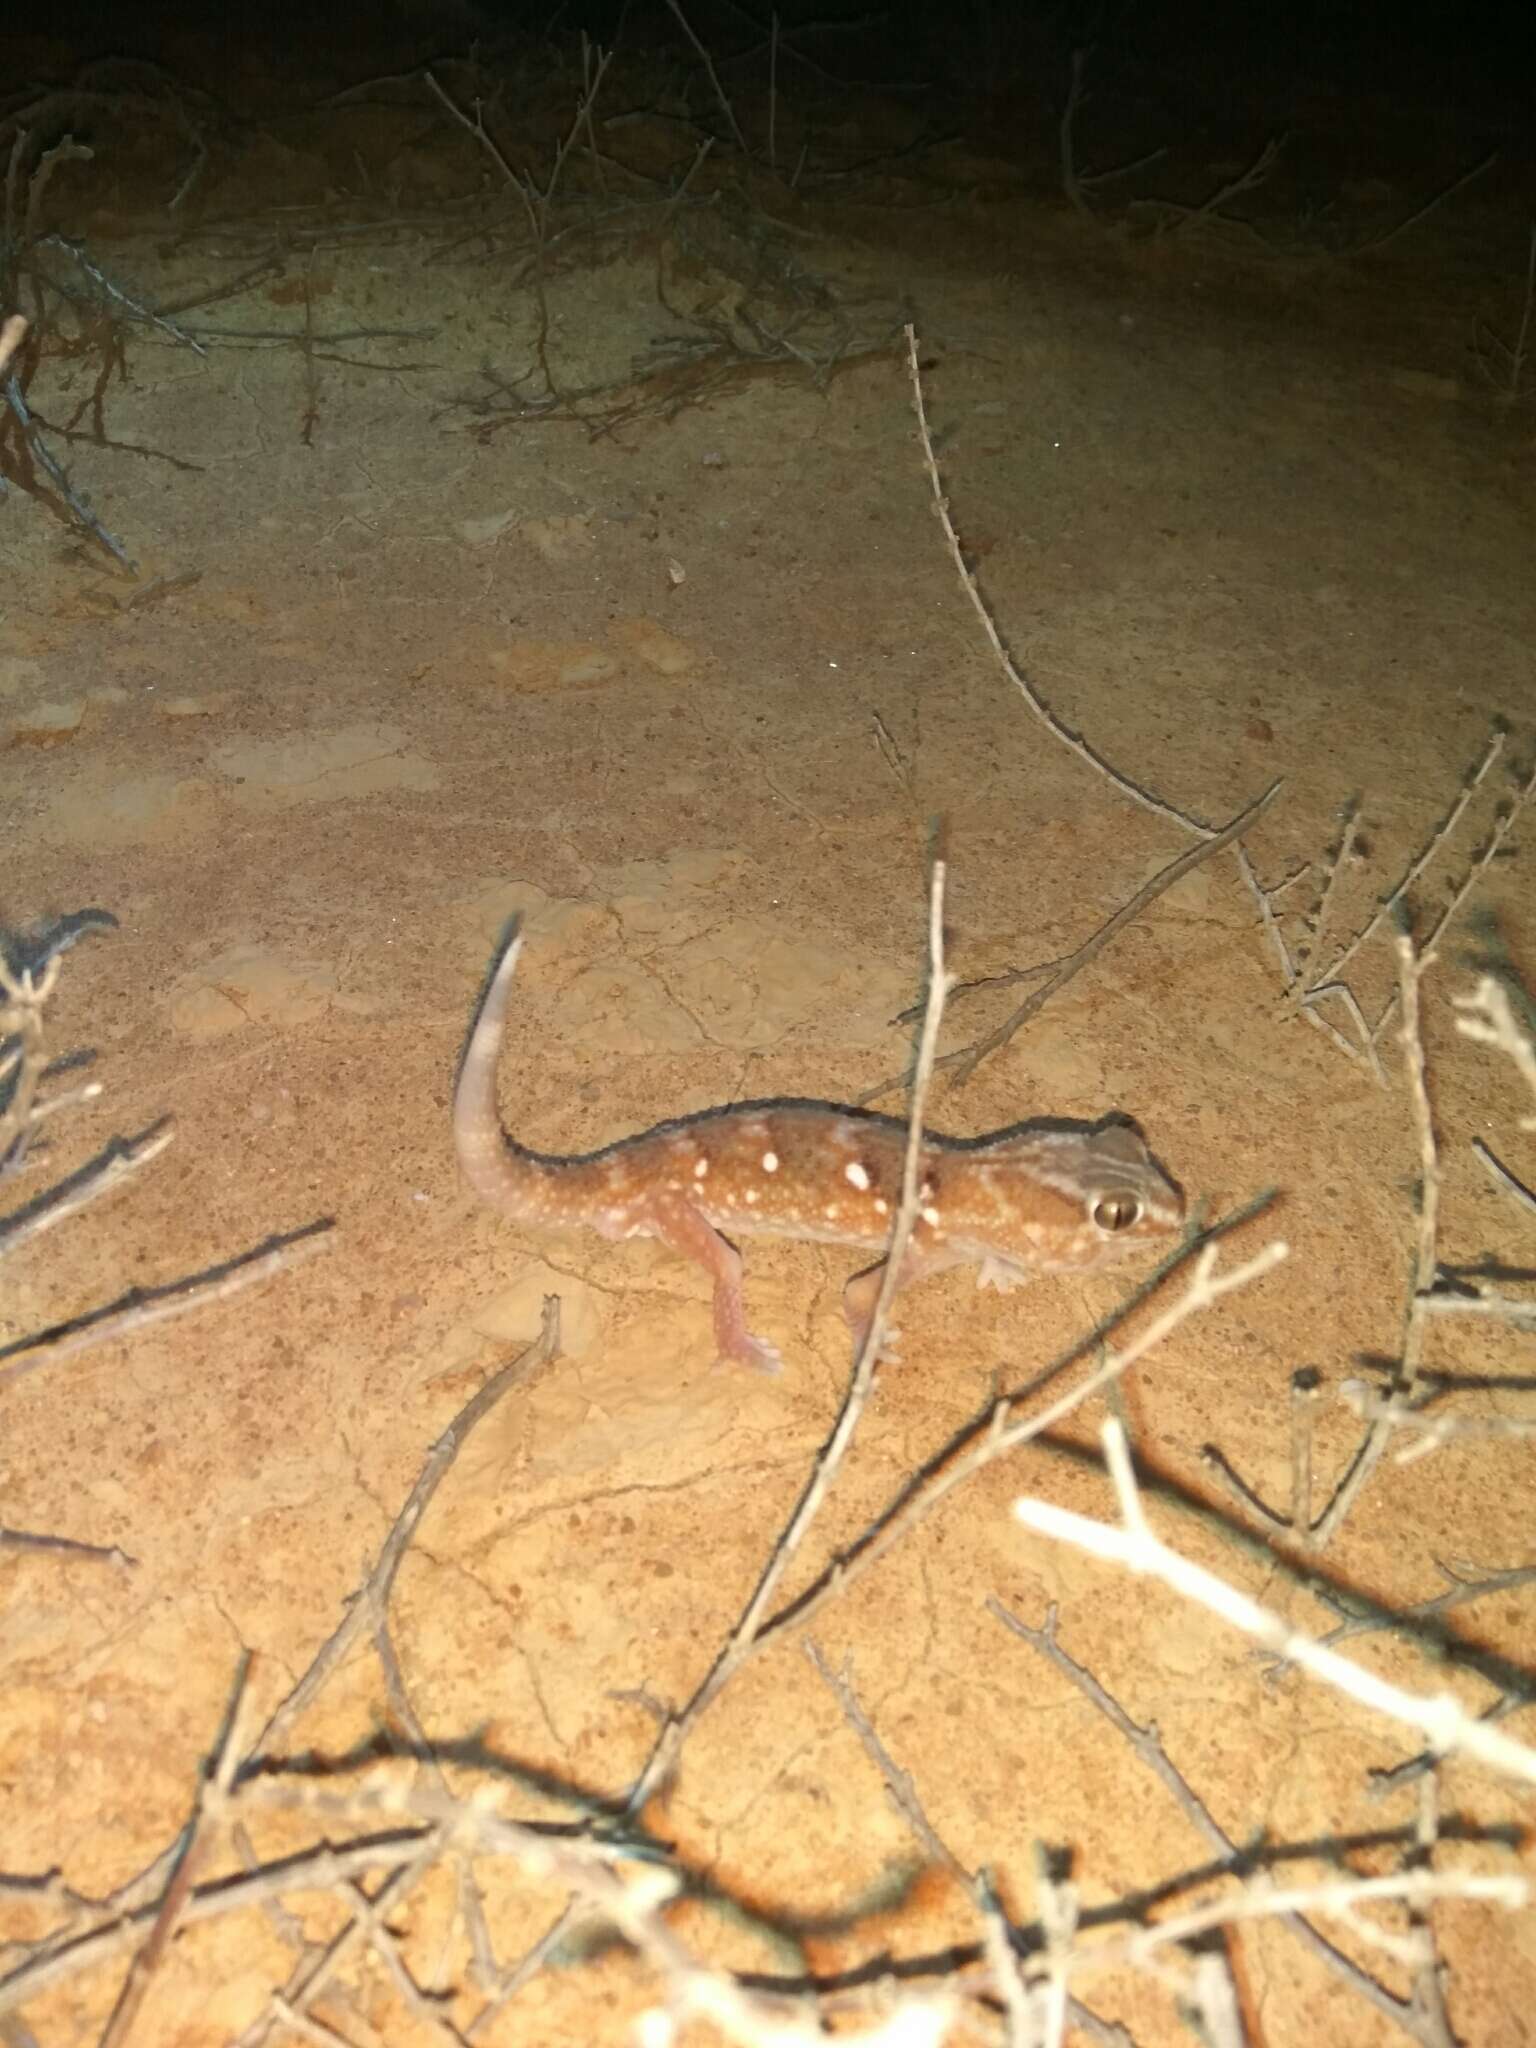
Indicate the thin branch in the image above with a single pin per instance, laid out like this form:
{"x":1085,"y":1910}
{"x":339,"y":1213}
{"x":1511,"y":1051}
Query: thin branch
{"x":998,"y":1946}
{"x":714,"y":78}
{"x":1419,"y":213}
{"x":1488,"y":853}
{"x":119,"y":1161}
{"x":1147,"y":1745}
{"x":1411,"y":966}
{"x":1437,"y":838}
{"x":749,"y":1631}
{"x":1433,"y":1432}
{"x":1073,"y":741}
{"x":1000,"y":1435}
{"x":13,"y":331}
{"x":372,"y":1598}
{"x":967,"y":1059}
{"x":207,"y":1814}
{"x":1442,"y":1719}
{"x":142,"y":1306}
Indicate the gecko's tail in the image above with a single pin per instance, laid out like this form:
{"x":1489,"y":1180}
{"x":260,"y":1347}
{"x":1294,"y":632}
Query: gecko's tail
{"x":486,"y":1159}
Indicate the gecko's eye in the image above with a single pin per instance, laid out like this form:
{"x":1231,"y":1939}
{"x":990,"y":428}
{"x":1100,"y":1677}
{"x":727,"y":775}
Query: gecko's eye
{"x":1114,"y":1213}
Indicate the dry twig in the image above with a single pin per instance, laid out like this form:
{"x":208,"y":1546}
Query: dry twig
{"x":1450,"y":1729}
{"x":750,"y":1630}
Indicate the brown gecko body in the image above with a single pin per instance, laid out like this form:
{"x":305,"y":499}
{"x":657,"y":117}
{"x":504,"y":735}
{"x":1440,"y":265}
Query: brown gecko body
{"x":1039,"y":1197}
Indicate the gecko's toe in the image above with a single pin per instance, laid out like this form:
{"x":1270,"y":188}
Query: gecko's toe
{"x":757,"y":1355}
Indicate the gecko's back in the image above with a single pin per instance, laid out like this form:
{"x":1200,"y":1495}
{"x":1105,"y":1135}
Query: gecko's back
{"x":1045,"y":1196}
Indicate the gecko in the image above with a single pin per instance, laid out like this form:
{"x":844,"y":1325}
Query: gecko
{"x":1047,"y":1196}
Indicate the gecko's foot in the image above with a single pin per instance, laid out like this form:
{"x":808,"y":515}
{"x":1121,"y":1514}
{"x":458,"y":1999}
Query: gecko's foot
{"x":888,"y":1354}
{"x":755,"y":1353}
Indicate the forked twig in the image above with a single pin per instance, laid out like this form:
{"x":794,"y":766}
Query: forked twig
{"x":1146,"y":1743}
{"x":1415,"y":868}
{"x":1003,"y":1959}
{"x":966,"y":1059}
{"x":984,"y":1442}
{"x":372,"y":1598}
{"x":1367,"y":1455}
{"x":1442,"y":1719}
{"x":208,"y":1815}
{"x":714,"y":78}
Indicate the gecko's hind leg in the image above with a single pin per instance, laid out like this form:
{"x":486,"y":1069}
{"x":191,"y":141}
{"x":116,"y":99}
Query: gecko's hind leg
{"x":859,"y":1298}
{"x":684,"y":1228}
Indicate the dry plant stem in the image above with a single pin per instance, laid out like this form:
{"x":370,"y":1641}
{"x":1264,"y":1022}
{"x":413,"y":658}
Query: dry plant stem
{"x":1316,"y":923}
{"x":1344,"y":1898}
{"x":1148,"y":1748}
{"x":1442,"y":1719}
{"x":1265,"y":900}
{"x":67,"y":1547}
{"x":525,"y":1969}
{"x":720,"y":94}
{"x":1059,"y":1909}
{"x":1305,"y":1388}
{"x":324,"y":1869}
{"x":632,"y":1903}
{"x":1066,"y":152}
{"x":1519,"y":355}
{"x":1215,"y":2006}
{"x":26,"y":997}
{"x":317,"y":1970}
{"x":476,"y":128}
{"x":1364,"y":1053}
{"x":1411,"y":965}
{"x":1417,"y":865}
{"x":1500,"y":1174}
{"x":471,"y":1905}
{"x":967,"y":1059}
{"x":371,"y":1601}
{"x":1421,"y":212}
{"x":384,"y":1945}
{"x":1460,"y":1593}
{"x":1485,"y":859}
{"x":1001,"y":1436}
{"x":1428,"y":1977}
{"x":15,"y":398}
{"x":997,"y":1941}
{"x":118,"y":1162}
{"x":1488,"y":1018}
{"x":898,"y":1783}
{"x":1031,"y":696}
{"x":1368,"y":1453}
{"x":1245,"y":181}
{"x":748,"y":1632}
{"x":1482,"y":1301}
{"x":207,"y":1816}
{"x":1434,"y":1432}
{"x":141,"y":1307}
{"x":1006,"y":1968}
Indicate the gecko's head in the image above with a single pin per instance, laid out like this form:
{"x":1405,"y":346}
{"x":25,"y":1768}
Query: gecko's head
{"x":1083,"y":1195}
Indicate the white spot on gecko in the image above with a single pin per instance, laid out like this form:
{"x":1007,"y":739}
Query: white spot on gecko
{"x":855,"y":1175}
{"x":931,"y":1217}
{"x":700,"y":1168}
{"x":770,"y":1162}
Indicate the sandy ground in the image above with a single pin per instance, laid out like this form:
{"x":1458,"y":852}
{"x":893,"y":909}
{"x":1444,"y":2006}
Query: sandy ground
{"x":688,"y":698}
